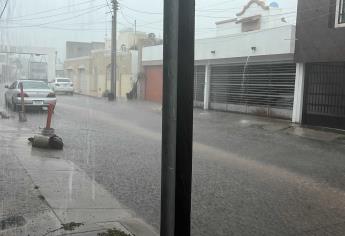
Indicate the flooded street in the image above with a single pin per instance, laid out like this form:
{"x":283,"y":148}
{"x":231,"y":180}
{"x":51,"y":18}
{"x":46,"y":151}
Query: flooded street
{"x":250,"y":174}
{"x":172,"y":118}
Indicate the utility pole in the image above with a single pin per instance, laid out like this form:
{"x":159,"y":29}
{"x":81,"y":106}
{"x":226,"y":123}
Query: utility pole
{"x":112,"y":95}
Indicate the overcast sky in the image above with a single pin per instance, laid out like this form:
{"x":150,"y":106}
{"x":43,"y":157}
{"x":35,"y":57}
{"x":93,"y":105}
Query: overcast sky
{"x":50,"y":23}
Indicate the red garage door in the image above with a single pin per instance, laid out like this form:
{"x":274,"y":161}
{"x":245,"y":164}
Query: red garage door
{"x":154,"y":84}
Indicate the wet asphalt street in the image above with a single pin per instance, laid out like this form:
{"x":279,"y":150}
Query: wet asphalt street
{"x":250,"y":176}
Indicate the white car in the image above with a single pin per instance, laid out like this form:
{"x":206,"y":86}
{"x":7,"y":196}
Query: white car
{"x":36,"y":94}
{"x":62,"y":85}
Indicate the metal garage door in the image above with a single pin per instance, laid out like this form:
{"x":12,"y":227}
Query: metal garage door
{"x":154,"y":84}
{"x":256,"y":85}
{"x":324,"y":96}
{"x":199,"y":85}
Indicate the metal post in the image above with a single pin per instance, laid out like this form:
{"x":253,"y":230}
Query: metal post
{"x":298,"y":96}
{"x":112,"y":95}
{"x":207,"y":86}
{"x":22,"y":116}
{"x":177,"y":132}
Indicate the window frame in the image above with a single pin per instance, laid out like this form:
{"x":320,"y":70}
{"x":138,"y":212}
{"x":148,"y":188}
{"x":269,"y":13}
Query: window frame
{"x":339,"y":9}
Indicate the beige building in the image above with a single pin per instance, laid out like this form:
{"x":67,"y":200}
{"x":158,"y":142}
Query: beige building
{"x":89,"y":64}
{"x":91,"y":74}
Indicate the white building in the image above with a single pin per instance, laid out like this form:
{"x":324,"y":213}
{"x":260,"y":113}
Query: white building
{"x":33,"y":54}
{"x":248,"y":67}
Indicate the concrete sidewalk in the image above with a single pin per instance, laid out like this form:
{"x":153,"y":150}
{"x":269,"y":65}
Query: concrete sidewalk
{"x":43,"y":193}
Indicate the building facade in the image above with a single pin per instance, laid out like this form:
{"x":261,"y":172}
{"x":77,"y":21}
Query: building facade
{"x":89,"y":64}
{"x":26,"y":63}
{"x":248,"y":67}
{"x":320,"y":57}
{"x":91,"y":74}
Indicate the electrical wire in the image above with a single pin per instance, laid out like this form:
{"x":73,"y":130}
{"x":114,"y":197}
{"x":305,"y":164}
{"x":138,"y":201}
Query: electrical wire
{"x":110,"y":9}
{"x":125,"y":18}
{"x":4,"y":8}
{"x":198,"y":15}
{"x":140,"y":11}
{"x":219,"y":3}
{"x":50,"y":16}
{"x":53,"y":9}
{"x":198,"y":29}
{"x":60,"y":20}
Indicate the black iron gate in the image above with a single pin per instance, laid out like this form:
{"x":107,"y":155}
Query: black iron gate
{"x":324,"y":95}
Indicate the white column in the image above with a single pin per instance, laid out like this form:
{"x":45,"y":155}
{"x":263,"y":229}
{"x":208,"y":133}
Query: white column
{"x":299,"y":91}
{"x":207,"y":87}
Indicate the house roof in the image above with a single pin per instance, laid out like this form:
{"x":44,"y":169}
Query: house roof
{"x":226,"y":21}
{"x":247,"y":19}
{"x":258,"y":2}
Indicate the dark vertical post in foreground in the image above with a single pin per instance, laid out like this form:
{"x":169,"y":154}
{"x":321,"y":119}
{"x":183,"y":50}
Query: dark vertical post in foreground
{"x":112,"y":95}
{"x":177,"y":137}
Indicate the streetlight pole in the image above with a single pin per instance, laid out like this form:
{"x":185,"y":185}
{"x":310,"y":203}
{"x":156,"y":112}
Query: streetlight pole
{"x":112,"y":95}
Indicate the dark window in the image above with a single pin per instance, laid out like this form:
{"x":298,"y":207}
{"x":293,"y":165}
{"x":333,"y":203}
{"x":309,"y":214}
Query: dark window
{"x":250,"y":25}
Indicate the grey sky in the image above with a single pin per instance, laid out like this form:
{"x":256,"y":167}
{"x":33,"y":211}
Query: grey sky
{"x":50,"y":23}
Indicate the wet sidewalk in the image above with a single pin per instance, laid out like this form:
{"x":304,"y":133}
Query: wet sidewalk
{"x":42,"y":194}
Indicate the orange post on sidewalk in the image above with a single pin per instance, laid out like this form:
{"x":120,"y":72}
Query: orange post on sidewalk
{"x":50,"y":114}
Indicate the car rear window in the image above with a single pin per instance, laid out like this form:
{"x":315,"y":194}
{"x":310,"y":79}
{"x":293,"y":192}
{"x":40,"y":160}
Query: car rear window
{"x":34,"y":85}
{"x":63,"y":81}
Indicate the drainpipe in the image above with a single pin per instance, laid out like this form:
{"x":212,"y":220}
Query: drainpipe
{"x":207,"y":86}
{"x":299,"y":91}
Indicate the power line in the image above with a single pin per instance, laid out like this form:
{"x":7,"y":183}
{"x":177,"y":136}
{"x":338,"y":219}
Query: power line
{"x":198,"y":15}
{"x":3,"y":10}
{"x":71,"y":29}
{"x":125,"y":18}
{"x":52,"y":9}
{"x":140,"y":11}
{"x":220,"y":3}
{"x":110,"y":9}
{"x":146,"y":25}
{"x":198,"y":29}
{"x":60,"y":20}
{"x":160,"y":13}
{"x":50,"y":16}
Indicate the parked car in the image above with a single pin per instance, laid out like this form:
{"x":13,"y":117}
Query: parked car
{"x":36,"y":94}
{"x":62,"y":85}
